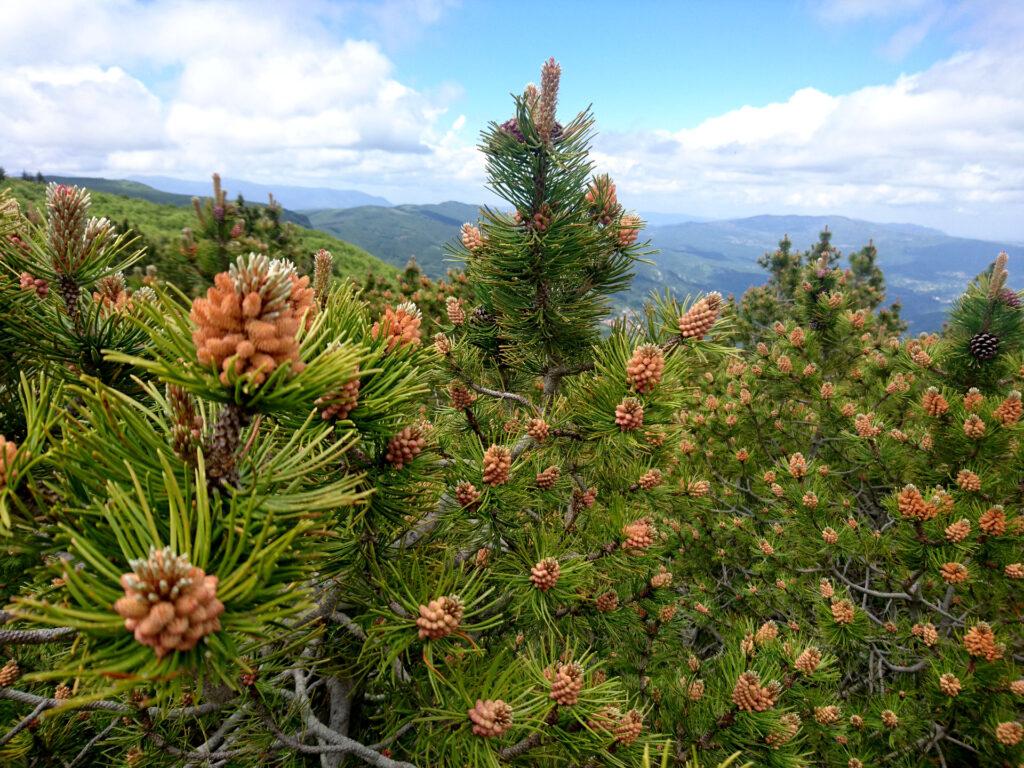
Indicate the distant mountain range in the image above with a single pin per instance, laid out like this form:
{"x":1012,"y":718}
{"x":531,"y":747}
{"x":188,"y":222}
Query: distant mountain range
{"x":294,"y":198}
{"x":925,"y":268}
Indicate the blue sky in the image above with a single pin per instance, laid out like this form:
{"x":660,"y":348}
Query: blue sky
{"x":894,"y":110}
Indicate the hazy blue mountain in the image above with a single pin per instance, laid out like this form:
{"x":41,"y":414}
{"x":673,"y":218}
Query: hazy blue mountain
{"x":926,"y":269}
{"x":294,"y":198}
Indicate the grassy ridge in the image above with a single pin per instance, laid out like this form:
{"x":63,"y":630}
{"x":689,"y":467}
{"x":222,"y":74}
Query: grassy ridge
{"x":160,"y":225}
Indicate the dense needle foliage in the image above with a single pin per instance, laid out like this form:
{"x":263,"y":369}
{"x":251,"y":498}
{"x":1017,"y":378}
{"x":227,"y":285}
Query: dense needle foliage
{"x":290,"y":521}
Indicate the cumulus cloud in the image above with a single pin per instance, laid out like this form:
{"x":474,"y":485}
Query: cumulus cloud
{"x":950,"y":138}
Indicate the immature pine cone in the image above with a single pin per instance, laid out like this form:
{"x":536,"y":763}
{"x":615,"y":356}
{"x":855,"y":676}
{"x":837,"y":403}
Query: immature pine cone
{"x":807,"y":662}
{"x":342,"y":401}
{"x":168,"y":603}
{"x":29,"y":283}
{"x":607,"y":602}
{"x":638,"y":535}
{"x":629,"y":230}
{"x":949,"y":684}
{"x":790,"y":723}
{"x":927,"y":632}
{"x":247,"y":323}
{"x":698,"y":319}
{"x":456,"y":314}
{"x":490,"y":718}
{"x":766,"y":633}
{"x":797,"y":465}
{"x":545,"y":574}
{"x":912,"y":505}
{"x":546,"y":480}
{"x":1010,"y":733}
{"x":602,"y":199}
{"x":980,"y":641}
{"x":442,"y":344}
{"x":9,"y":673}
{"x":974,"y":427}
{"x":566,"y":684}
{"x":1010,"y":410}
{"x":645,"y":368}
{"x":400,"y":326}
{"x":461,"y":397}
{"x":750,"y":696}
{"x":405,"y":446}
{"x":323,"y":271}
{"x":993,"y":521}
{"x":466,"y":494}
{"x":662,"y":578}
{"x":440,"y":617}
{"x":629,"y":414}
{"x":538,"y":429}
{"x":471,"y":238}
{"x":628,"y":728}
{"x":842,"y":611}
{"x":62,"y":692}
{"x":650,"y":479}
{"x":890,"y":719}
{"x":8,"y":452}
{"x":958,"y":531}
{"x":828,"y":715}
{"x":968,"y":480}
{"x":934,"y":403}
{"x":497,"y":463}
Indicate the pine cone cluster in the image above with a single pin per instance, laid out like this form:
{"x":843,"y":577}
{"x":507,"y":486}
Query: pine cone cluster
{"x":440,"y":617}
{"x":927,"y":632}
{"x":808,"y":660}
{"x":889,"y":719}
{"x":695,"y":690}
{"x":797,"y":466}
{"x":750,"y":696}
{"x":650,"y":479}
{"x":9,"y":673}
{"x":497,"y":463}
{"x":538,"y":429}
{"x":490,"y":718}
{"x":607,"y":602}
{"x":993,"y":521}
{"x":842,"y":611}
{"x":566,"y":684}
{"x":186,"y":424}
{"x":405,"y":446}
{"x":168,"y":603}
{"x":958,"y":531}
{"x":453,"y":308}
{"x":974,"y":427}
{"x":545,"y":574}
{"x":602,"y":199}
{"x":246,"y":325}
{"x":624,"y":728}
{"x":645,"y":368}
{"x":1010,"y":410}
{"x":399,"y":326}
{"x":629,"y":414}
{"x":29,"y":283}
{"x":980,"y":641}
{"x":984,"y":346}
{"x":342,"y":401}
{"x":638,"y":535}
{"x":968,"y":480}
{"x":934,"y":403}
{"x":827,"y":715}
{"x":461,"y":397}
{"x":466,"y":494}
{"x":1010,"y":733}
{"x":629,"y":230}
{"x":789,"y":727}
{"x":912,"y":506}
{"x":471,"y":237}
{"x":949,"y":684}
{"x":547,"y":478}
{"x":698,"y":319}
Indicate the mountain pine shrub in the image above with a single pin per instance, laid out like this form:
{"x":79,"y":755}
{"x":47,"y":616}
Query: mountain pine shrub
{"x":274,"y":524}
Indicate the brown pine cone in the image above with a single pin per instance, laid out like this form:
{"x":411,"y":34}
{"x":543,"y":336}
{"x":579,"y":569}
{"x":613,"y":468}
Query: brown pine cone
{"x":466,"y":494}
{"x":546,"y":480}
{"x":461,"y":397}
{"x":607,"y":602}
{"x":169,"y":604}
{"x":490,"y":718}
{"x":629,"y":414}
{"x":497,"y":463}
{"x":538,"y":429}
{"x":440,"y":617}
{"x":545,"y":574}
{"x":698,"y":319}
{"x":342,"y":401}
{"x":566,"y":684}
{"x":405,"y":446}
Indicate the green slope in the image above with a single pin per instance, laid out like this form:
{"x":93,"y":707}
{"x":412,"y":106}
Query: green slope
{"x":160,"y":225}
{"x":397,"y":233}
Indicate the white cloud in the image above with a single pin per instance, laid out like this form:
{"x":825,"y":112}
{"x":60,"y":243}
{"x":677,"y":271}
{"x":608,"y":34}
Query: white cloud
{"x":948,"y":138}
